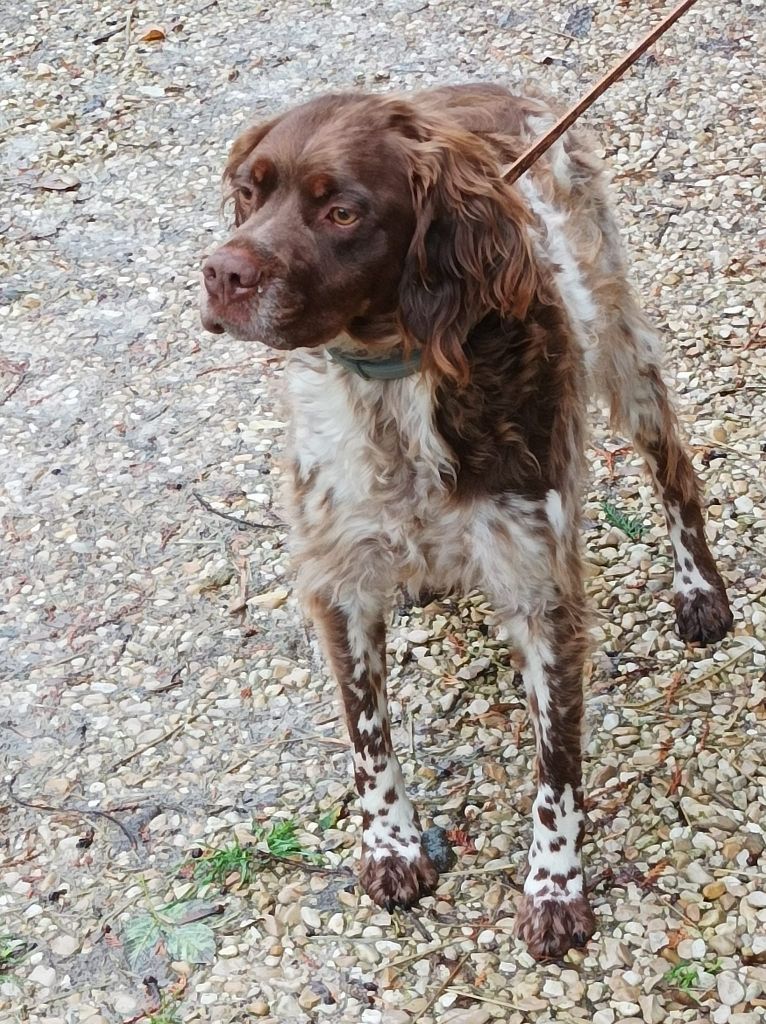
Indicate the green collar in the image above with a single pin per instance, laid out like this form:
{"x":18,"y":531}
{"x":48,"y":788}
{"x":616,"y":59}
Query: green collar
{"x":393,"y":368}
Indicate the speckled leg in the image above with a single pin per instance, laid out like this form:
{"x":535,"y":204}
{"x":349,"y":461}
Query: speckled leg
{"x":554,"y":913}
{"x":395,"y":870}
{"x":632,"y":380}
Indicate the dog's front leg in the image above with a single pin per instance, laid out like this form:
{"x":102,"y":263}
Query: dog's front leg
{"x":395,"y":870}
{"x":554,"y":913}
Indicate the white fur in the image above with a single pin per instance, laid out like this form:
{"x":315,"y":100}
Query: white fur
{"x":696,"y":581}
{"x":557,"y":156}
{"x":567,"y":823}
{"x":555,"y":512}
{"x":538,"y":658}
{"x":553,"y":245}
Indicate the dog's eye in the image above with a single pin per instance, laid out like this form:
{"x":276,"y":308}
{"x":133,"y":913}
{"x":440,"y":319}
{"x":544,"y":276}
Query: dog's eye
{"x":342,"y":217}
{"x":245,"y":192}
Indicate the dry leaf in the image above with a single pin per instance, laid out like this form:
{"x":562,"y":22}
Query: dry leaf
{"x":459,"y":837}
{"x":56,"y":183}
{"x":656,"y":870}
{"x":270,"y":598}
{"x":495,"y":771}
{"x":153,"y":34}
{"x":675,"y":780}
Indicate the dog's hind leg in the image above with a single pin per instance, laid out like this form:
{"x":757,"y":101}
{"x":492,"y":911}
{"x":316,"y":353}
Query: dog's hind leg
{"x":630,"y":376}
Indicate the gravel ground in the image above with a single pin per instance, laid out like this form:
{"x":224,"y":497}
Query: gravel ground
{"x":162,"y":707}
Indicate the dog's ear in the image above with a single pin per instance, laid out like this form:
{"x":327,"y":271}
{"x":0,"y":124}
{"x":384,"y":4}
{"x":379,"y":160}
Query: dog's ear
{"x":470,"y":253}
{"x":241,"y":148}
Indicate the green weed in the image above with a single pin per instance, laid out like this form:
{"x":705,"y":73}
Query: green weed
{"x":281,"y":840}
{"x":12,"y":953}
{"x":685,"y":975}
{"x":219,"y":864}
{"x":631,"y":526}
{"x":168,"y":1013}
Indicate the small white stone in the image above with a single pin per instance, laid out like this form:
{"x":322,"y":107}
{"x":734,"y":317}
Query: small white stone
{"x":611,"y":721}
{"x":336,"y":924}
{"x":480,"y":706}
{"x":125,"y":1003}
{"x":730,"y":990}
{"x":627,"y":1009}
{"x":311,"y":918}
{"x":553,"y":988}
{"x":64,"y":945}
{"x":697,"y":873}
{"x":43,"y":975}
{"x":757,"y":898}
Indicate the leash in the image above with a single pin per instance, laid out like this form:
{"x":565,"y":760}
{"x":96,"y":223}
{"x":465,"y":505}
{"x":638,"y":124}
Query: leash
{"x":536,"y":150}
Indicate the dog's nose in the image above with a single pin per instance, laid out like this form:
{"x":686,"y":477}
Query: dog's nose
{"x":231,"y":273}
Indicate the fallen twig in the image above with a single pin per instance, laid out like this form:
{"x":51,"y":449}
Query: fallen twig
{"x":468,"y":993}
{"x":14,"y":387}
{"x":108,"y":35}
{"x":443,"y":987}
{"x":235,"y":519}
{"x":82,"y":812}
{"x":711,"y":674}
{"x":402,"y":961}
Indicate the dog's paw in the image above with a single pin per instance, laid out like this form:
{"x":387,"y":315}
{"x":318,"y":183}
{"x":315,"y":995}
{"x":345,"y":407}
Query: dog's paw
{"x":551,"y":927}
{"x":393,"y":881}
{"x":703,"y":616}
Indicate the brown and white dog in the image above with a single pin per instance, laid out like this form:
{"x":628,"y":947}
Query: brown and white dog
{"x":380,"y":228}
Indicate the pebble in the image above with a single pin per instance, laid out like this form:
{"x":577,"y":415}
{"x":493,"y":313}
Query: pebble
{"x":308,"y":998}
{"x":724,"y":945}
{"x":697,"y":873}
{"x":476,"y":1015}
{"x":757,"y":899}
{"x":714,"y":890}
{"x":730,"y":989}
{"x":43,"y":975}
{"x":64,"y":945}
{"x":336,"y":924}
{"x":311,"y":918}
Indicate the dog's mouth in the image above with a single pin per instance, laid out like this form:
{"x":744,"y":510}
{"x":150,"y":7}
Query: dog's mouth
{"x":265,"y":316}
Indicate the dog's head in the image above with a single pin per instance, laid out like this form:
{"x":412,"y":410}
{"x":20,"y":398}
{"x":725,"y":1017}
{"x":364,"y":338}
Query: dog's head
{"x":366,"y":216}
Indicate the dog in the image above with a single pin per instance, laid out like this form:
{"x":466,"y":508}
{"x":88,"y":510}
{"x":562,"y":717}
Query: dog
{"x":444,"y":331}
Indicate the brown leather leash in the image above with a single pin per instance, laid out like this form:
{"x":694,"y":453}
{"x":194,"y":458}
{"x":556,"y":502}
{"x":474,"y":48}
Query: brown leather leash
{"x":536,"y":150}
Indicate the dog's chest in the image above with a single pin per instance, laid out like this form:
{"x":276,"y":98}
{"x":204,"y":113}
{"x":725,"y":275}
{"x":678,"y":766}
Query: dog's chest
{"x":367,"y":448}
{"x":374,"y":497}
